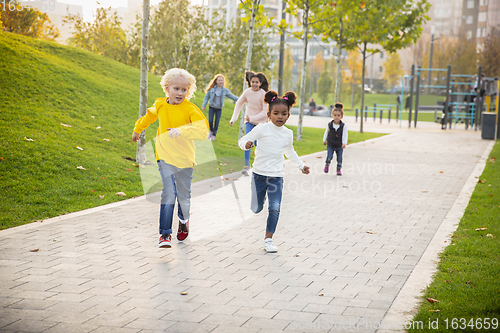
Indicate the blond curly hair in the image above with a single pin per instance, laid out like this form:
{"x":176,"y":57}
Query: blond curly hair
{"x":173,"y":73}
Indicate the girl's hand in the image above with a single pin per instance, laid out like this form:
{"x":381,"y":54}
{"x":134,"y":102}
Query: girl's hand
{"x":173,"y":132}
{"x":249,"y":145}
{"x":203,"y":109}
{"x":305,"y":170}
{"x":324,"y":143}
{"x":135,"y":136}
{"x":247,"y":119}
{"x":343,"y":146}
{"x":231,"y":123}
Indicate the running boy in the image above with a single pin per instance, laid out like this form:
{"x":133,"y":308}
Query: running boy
{"x":274,"y":140}
{"x":181,"y":122}
{"x":335,"y":138}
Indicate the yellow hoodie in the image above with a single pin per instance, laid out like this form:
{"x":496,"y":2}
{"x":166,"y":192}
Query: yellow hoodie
{"x":187,"y":118}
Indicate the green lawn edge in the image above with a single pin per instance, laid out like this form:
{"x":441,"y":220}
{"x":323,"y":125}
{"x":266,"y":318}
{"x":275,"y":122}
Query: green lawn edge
{"x":467,"y":283}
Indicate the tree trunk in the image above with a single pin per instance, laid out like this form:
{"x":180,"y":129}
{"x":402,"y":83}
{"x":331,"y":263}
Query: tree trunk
{"x":363,"y":88}
{"x":143,"y":101}
{"x":339,"y":64}
{"x":247,"y":67}
{"x":304,"y":72}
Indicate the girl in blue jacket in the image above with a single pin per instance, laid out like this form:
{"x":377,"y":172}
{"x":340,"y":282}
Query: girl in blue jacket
{"x":216,"y":93}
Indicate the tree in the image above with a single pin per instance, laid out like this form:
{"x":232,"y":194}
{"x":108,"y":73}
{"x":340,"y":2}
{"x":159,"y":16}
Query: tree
{"x":318,"y":67}
{"x":393,"y":71}
{"x":491,"y":53}
{"x":324,"y":85}
{"x":354,"y":76}
{"x":306,"y":11}
{"x":103,"y":36}
{"x":143,"y":99}
{"x":26,"y":21}
{"x":287,"y":70}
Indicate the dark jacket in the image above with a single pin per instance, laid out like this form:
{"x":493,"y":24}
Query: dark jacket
{"x":334,"y":138}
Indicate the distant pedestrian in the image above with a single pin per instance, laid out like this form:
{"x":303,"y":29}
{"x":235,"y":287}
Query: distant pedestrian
{"x":256,"y":108}
{"x":312,"y":106}
{"x":215,"y":95}
{"x":335,"y":138}
{"x":407,"y":102}
{"x":181,"y":122}
{"x":274,"y":140}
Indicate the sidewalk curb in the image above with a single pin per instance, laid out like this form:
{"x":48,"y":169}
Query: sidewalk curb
{"x":406,"y":303}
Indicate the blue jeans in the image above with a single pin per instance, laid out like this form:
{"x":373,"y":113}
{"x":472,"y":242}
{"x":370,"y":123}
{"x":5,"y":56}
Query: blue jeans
{"x":329,"y":155}
{"x":218,"y":113}
{"x":273,"y":186}
{"x":248,"y":128}
{"x":176,"y":185}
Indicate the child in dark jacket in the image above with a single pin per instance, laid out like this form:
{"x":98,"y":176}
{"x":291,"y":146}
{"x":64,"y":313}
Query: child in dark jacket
{"x":335,"y":138}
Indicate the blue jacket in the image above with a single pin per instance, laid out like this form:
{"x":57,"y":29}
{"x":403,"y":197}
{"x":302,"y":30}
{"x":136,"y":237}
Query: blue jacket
{"x":225,"y":93}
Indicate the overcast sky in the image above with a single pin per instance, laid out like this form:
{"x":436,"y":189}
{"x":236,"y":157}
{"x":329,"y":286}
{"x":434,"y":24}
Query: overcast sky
{"x":91,"y":5}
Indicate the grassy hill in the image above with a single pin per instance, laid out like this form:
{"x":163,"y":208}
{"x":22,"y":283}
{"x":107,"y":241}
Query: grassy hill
{"x":44,"y":87}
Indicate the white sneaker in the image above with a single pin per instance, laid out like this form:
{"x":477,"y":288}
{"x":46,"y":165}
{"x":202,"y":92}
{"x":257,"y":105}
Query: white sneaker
{"x":245,"y":171}
{"x":269,"y":246}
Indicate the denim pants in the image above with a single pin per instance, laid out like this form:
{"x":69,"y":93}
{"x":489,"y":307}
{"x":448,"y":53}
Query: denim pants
{"x":248,"y":128}
{"x":176,"y":185}
{"x":273,"y":186}
{"x":329,"y":155}
{"x":211,"y":112}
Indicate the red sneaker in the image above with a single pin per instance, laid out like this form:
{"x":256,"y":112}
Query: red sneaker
{"x":183,"y":231}
{"x":327,"y":168}
{"x":165,"y":241}
{"x":339,"y":173}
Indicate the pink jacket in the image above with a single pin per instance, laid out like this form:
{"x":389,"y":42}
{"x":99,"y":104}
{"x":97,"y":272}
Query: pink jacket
{"x":256,"y":108}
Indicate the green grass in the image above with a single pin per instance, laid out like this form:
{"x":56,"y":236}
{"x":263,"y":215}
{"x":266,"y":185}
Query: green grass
{"x":43,"y":85}
{"x":371,"y":99}
{"x":467,"y":281}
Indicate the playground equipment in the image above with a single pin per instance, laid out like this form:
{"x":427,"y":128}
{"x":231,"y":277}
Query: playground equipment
{"x":464,"y":96}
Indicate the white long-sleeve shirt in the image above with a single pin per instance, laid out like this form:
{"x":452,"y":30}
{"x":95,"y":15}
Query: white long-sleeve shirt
{"x":336,"y":127}
{"x":272,"y":143}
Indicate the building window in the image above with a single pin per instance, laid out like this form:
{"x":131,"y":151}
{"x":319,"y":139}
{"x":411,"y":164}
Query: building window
{"x":483,"y":2}
{"x":469,"y":19}
{"x":481,"y":17}
{"x":380,"y":69}
{"x":469,"y":34}
{"x":381,"y":55}
{"x":470,"y":3}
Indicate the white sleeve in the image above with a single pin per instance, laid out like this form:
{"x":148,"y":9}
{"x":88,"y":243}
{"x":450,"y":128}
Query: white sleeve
{"x":291,"y":154}
{"x":325,"y":136}
{"x":253,"y":135}
{"x":344,"y":135}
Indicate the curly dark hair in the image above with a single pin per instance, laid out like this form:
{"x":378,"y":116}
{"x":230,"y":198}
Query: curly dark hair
{"x":289,"y":99}
{"x":264,"y":85}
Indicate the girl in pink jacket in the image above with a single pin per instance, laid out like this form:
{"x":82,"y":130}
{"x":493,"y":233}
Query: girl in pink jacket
{"x":256,"y":112}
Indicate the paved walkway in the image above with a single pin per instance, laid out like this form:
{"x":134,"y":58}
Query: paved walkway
{"x":348,"y":246}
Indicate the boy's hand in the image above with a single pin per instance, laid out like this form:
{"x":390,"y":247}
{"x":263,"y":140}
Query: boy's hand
{"x":343,"y":146}
{"x":135,"y":136}
{"x":324,"y":143}
{"x":249,"y":145}
{"x":305,"y":170}
{"x":173,"y":132}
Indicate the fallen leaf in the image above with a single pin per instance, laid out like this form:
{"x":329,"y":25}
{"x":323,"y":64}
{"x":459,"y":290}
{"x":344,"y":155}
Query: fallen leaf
{"x":92,"y":117}
{"x":2,"y":159}
{"x":79,"y":148}
{"x":440,"y":171}
{"x":490,"y":194}
{"x":93,"y":191}
{"x":184,"y":293}
{"x":121,"y":194}
{"x":296,"y":255}
{"x":136,"y":165}
{"x":80,"y":168}
{"x":345,"y":186}
{"x":434,"y":310}
{"x":490,"y":235}
{"x":371,"y":232}
{"x":103,"y":177}
{"x":446,"y":280}
{"x":321,"y":295}
{"x":98,"y":127}
{"x":25,"y":138}
{"x":65,"y":125}
{"x":128,"y":170}
{"x":226,"y":178}
{"x":481,"y":181}
{"x":101,"y":196}
{"x":107,"y":140}
{"x":34,"y":250}
{"x":319,"y":157}
{"x":424,"y":191}
{"x":468,"y":282}
{"x":432,"y":300}
{"x":231,"y":169}
{"x":479,"y":229}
